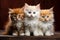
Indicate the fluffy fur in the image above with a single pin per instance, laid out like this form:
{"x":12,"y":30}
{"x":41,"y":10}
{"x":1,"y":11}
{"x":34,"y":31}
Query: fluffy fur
{"x":31,"y":19}
{"x":16,"y":17}
{"x":46,"y":22}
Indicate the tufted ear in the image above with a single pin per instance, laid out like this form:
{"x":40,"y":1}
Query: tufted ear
{"x":26,"y":5}
{"x":22,"y":8}
{"x":10,"y":10}
{"x":38,"y":5}
{"x":51,"y":9}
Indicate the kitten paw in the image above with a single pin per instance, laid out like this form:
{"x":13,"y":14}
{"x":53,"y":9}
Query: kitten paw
{"x":41,"y":34}
{"x":52,"y":33}
{"x":49,"y":34}
{"x":15,"y":34}
{"x":27,"y":34}
{"x":36,"y":34}
{"x":22,"y":34}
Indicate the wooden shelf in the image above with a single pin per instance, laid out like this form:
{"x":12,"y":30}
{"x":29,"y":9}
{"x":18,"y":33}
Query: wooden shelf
{"x":10,"y":37}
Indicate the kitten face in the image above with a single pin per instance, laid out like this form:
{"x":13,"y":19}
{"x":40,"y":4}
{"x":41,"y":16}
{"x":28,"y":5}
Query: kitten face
{"x":32,"y":11}
{"x":13,"y":17}
{"x":46,"y":15}
{"x":16,"y":14}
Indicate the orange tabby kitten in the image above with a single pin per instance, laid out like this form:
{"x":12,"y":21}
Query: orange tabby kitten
{"x":46,"y":22}
{"x":16,"y":17}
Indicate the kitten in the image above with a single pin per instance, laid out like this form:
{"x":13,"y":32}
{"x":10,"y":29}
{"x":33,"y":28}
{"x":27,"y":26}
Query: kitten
{"x":31,"y":19}
{"x":16,"y":17}
{"x":46,"y":22}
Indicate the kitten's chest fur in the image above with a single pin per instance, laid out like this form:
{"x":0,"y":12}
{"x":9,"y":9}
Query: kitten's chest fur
{"x":31,"y":23}
{"x":17,"y":24}
{"x":46,"y":24}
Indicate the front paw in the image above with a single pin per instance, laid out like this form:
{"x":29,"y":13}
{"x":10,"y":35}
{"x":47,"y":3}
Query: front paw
{"x":36,"y":34}
{"x":52,"y":33}
{"x":22,"y":34}
{"x":14,"y":34}
{"x":27,"y":33}
{"x":49,"y":34}
{"x":41,"y":34}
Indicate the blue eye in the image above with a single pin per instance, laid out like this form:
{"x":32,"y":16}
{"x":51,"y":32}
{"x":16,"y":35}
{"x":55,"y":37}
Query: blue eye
{"x":29,"y":12}
{"x":33,"y":12}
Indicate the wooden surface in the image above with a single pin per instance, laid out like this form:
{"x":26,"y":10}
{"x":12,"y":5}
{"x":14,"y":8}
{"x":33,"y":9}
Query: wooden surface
{"x":57,"y":35}
{"x":10,"y":37}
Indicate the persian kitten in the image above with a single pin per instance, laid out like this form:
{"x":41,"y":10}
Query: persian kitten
{"x":47,"y":22}
{"x":16,"y":17}
{"x":32,"y":14}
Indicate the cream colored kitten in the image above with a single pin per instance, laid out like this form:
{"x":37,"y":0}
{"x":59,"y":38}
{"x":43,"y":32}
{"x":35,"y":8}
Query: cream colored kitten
{"x":31,"y":19}
{"x":47,"y":22}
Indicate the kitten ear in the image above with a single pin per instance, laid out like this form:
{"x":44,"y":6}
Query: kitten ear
{"x":51,"y":9}
{"x":38,"y":5}
{"x":26,"y":5}
{"x":10,"y":10}
{"x":22,"y":8}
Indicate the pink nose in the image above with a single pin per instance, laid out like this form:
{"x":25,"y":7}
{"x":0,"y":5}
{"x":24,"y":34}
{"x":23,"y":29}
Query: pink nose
{"x":46,"y":20}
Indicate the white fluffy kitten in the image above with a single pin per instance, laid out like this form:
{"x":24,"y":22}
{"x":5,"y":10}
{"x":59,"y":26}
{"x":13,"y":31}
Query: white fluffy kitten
{"x":46,"y":22}
{"x":32,"y":14}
